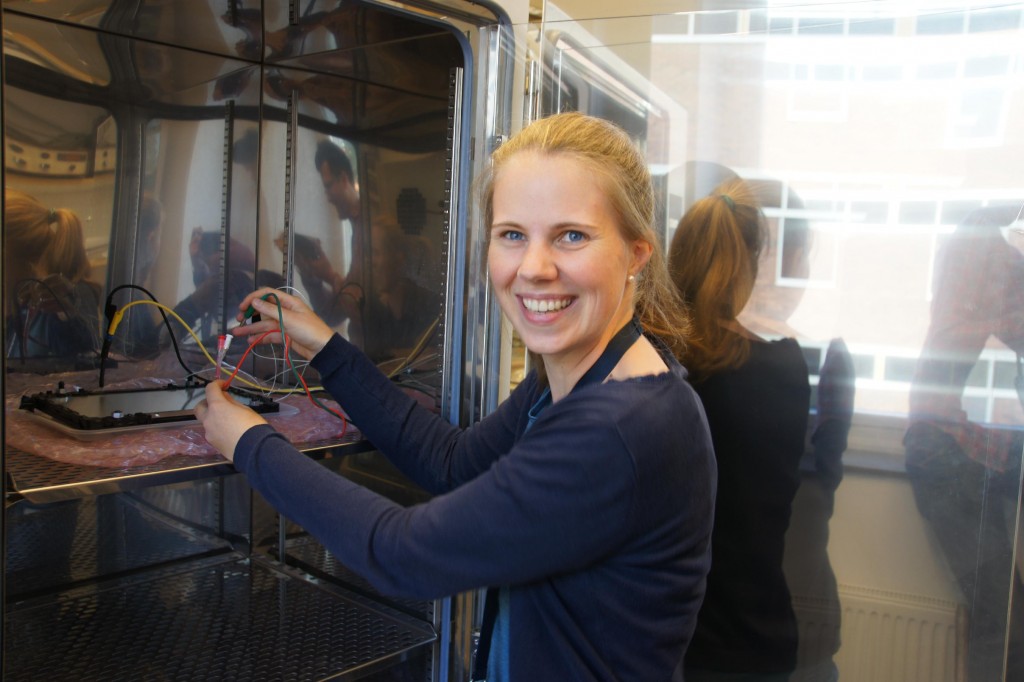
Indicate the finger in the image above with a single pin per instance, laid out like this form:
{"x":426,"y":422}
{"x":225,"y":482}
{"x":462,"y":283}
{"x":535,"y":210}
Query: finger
{"x":272,"y":306}
{"x":261,"y":293}
{"x":250,"y":297}
{"x":274,"y":298}
{"x":249,"y":305}
{"x":243,"y":308}
{"x":254,"y":329}
{"x":271,"y":298}
{"x":214,"y":393}
{"x":264,"y":315}
{"x":201,"y":409}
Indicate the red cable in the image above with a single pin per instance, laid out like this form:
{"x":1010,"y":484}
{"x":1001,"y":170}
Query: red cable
{"x":288,"y":358}
{"x":238,"y":365}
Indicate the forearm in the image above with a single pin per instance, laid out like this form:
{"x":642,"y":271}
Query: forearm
{"x":417,"y":440}
{"x":430,"y":450}
{"x":339,"y":513}
{"x":425,"y":551}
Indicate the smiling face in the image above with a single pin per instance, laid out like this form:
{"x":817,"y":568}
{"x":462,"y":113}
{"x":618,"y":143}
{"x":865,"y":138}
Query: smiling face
{"x":558,"y":260}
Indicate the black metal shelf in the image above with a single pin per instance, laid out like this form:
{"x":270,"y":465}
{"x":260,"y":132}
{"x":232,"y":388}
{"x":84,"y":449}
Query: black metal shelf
{"x":217,"y":618}
{"x":307,"y":554}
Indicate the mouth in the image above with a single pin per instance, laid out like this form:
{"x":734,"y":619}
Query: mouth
{"x":545,"y":305}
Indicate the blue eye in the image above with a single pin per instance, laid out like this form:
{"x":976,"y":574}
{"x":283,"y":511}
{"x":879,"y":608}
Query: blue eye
{"x":574,"y":236}
{"x":507,"y":234}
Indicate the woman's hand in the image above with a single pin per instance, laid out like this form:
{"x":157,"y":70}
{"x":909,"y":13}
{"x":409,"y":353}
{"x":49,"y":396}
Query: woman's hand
{"x":224,"y":419}
{"x":308,"y":333}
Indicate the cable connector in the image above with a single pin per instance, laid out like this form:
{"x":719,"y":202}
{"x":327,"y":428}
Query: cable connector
{"x":222,"y":348}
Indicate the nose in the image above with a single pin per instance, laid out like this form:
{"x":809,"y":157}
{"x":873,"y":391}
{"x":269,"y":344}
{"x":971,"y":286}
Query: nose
{"x":538,"y":262}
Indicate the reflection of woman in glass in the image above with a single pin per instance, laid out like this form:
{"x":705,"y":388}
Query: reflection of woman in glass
{"x":966,"y":473}
{"x":52,"y":307}
{"x":756,"y":395}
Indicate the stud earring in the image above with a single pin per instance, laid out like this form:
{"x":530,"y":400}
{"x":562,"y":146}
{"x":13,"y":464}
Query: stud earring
{"x":632,"y":277}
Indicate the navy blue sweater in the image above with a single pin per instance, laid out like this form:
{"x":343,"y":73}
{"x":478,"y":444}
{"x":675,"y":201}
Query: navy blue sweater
{"x":598,"y":519}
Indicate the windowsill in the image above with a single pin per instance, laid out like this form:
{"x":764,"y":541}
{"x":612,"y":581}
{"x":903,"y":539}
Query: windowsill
{"x":875,"y":445}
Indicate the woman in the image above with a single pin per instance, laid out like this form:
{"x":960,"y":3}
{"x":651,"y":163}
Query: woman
{"x":584,"y":501}
{"x":756,"y":396}
{"x":52,"y":307}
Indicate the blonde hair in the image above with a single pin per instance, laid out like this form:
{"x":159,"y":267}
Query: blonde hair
{"x":713,"y":261}
{"x":617,"y":161}
{"x":49,"y":238}
{"x":47,"y":241}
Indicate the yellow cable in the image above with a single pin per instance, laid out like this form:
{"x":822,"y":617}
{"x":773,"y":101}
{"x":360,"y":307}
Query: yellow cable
{"x":116,"y":321}
{"x":420,"y":345}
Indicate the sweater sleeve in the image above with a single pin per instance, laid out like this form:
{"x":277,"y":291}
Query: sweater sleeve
{"x":563,"y":497}
{"x":434,"y":453}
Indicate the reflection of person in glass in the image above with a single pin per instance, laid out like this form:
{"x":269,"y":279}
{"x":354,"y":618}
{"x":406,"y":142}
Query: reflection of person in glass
{"x":335,"y":296}
{"x":756,"y":395}
{"x":215,"y":291}
{"x":52,"y":306}
{"x":342,"y":191}
{"x":392,"y":312}
{"x":339,"y":180}
{"x":965,"y":468}
{"x":398,"y":311}
{"x":806,"y":564}
{"x":138,"y":335}
{"x":387,"y":311}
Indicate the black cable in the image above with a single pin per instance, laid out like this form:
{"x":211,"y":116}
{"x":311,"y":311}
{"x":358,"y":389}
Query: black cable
{"x":109,"y":310}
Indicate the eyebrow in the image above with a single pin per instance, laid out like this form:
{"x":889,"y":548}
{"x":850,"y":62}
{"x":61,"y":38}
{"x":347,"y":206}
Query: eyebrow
{"x":569,"y":224}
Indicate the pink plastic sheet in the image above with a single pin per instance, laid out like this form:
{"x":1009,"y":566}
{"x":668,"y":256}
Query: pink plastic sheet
{"x":309,"y":424}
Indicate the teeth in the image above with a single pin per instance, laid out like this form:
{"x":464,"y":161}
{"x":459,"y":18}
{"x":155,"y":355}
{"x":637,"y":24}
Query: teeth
{"x":546,"y":305}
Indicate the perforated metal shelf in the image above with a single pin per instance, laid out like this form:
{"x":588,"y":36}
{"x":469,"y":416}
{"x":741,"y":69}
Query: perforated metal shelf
{"x":216,"y":619}
{"x":309,"y":555}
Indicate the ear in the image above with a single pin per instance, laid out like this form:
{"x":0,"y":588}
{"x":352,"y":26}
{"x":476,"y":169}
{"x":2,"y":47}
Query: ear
{"x":642,"y":251}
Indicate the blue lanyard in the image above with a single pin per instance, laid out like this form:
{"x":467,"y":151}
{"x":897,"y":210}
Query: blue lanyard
{"x":599,"y":371}
{"x":617,"y":347}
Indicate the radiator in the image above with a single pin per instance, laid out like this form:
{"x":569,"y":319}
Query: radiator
{"x":886,"y":636}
